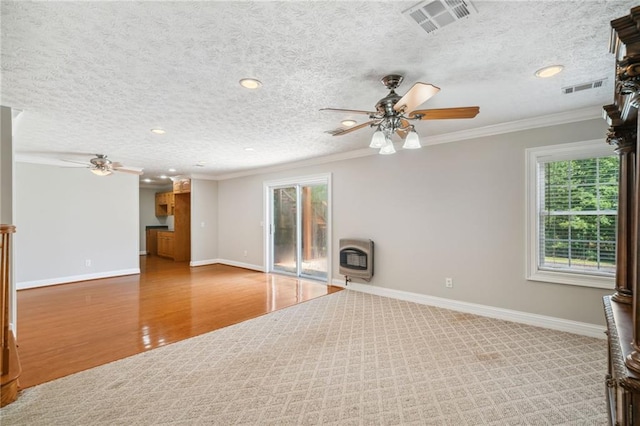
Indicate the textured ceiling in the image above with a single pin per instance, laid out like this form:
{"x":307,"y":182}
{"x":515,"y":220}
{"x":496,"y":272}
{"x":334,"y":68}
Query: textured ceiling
{"x":96,"y":76}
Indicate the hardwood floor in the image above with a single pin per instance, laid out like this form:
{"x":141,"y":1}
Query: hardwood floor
{"x":68,"y":328}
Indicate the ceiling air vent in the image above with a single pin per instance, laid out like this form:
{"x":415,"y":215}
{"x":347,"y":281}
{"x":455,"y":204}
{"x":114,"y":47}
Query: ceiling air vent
{"x":583,"y":86}
{"x":432,"y":15}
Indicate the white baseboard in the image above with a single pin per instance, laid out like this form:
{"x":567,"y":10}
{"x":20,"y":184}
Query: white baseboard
{"x":70,"y":279}
{"x":226,"y":262}
{"x":582,"y":328}
{"x":204,"y":262}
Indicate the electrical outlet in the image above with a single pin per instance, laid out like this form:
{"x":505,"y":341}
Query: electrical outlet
{"x":245,"y":253}
{"x":448,"y":282}
{"x":87,"y":263}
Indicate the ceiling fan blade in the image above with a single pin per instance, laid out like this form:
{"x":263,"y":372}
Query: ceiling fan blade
{"x":417,"y":95}
{"x":351,"y":129}
{"x":131,"y":170}
{"x":404,"y":131}
{"x":354,"y":111}
{"x":445,"y":113}
{"x":84,"y":163}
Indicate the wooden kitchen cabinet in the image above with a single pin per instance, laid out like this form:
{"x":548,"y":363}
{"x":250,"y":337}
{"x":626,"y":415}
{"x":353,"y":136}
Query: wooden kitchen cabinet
{"x":165,"y":244}
{"x":181,"y":186}
{"x":176,"y":244}
{"x":164,"y":203}
{"x":152,"y":241}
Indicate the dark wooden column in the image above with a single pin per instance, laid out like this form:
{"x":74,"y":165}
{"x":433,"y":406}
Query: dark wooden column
{"x":633,"y":359}
{"x":624,"y":139}
{"x":623,"y":118}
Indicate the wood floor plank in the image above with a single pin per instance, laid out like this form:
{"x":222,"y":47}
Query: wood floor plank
{"x":68,"y":328}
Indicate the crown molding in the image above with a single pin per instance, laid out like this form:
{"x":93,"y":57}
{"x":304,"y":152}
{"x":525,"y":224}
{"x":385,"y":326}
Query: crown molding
{"x":548,"y":120}
{"x":304,"y":163}
{"x":35,"y":159}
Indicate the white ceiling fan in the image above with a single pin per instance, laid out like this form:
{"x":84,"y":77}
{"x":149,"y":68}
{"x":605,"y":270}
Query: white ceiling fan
{"x":102,"y":166}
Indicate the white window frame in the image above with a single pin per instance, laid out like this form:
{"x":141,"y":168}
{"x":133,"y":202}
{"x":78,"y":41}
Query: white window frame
{"x":563,"y":152}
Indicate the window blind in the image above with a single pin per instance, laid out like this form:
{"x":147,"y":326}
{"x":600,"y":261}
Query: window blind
{"x":577,"y":215}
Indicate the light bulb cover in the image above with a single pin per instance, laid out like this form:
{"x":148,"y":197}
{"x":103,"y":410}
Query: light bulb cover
{"x":412,"y":141}
{"x":378,"y":140}
{"x":388,"y":148}
{"x":101,"y":171}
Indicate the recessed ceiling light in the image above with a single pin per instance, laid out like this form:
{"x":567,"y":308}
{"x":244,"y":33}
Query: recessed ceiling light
{"x":250,"y":83}
{"x":147,"y":180}
{"x":158,"y":131}
{"x":348,"y":123}
{"x":172,"y":170}
{"x":549,"y":71}
{"x":164,"y":177}
{"x":249,"y":149}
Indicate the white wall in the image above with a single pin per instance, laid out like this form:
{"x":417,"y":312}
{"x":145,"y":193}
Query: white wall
{"x":6,"y":166}
{"x":7,"y":205}
{"x":204,"y":221}
{"x":452,"y":210}
{"x":148,"y":214}
{"x":67,"y":216}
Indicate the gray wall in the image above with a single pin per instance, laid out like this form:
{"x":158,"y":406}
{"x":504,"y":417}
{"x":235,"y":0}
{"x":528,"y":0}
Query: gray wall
{"x":204,"y":220}
{"x":148,"y":214}
{"x":68,"y":215}
{"x":452,"y":210}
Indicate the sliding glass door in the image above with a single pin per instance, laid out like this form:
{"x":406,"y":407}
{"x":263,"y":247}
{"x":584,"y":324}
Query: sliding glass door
{"x":285,"y":230}
{"x":298,"y":228}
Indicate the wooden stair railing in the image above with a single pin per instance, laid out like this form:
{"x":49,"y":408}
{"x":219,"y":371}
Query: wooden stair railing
{"x":9,"y":355}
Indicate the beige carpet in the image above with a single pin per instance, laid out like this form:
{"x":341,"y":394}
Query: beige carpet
{"x":348,"y":358}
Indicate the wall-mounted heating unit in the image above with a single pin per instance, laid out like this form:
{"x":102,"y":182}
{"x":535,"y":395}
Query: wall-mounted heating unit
{"x":356,"y":259}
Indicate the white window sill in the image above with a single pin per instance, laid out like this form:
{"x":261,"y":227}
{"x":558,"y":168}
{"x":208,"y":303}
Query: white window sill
{"x":583,"y":280}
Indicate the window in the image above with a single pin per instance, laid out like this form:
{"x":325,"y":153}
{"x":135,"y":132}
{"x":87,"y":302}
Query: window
{"x":572,"y":213}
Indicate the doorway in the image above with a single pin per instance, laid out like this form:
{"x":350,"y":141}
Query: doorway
{"x":298,"y":227}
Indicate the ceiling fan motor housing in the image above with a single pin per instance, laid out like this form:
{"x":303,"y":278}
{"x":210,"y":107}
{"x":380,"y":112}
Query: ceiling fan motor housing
{"x":385,"y":105}
{"x":100,"y":161}
{"x":392,"y":81}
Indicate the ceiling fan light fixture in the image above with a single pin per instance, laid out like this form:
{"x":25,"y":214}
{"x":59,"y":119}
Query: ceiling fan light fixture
{"x":388,"y":148}
{"x":378,"y":140}
{"x":101,"y":171}
{"x":549,"y":71}
{"x":412,"y":141}
{"x":250,"y":83}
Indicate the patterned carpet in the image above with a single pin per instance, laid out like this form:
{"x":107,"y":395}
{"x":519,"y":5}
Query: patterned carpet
{"x":348,"y":358}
